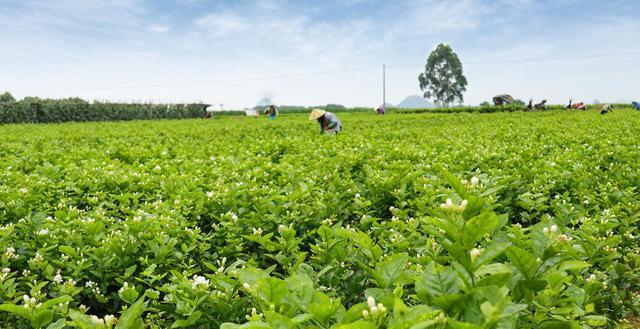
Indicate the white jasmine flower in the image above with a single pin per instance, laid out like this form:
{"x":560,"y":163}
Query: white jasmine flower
{"x":58,"y":278}
{"x":475,"y":252}
{"x":97,"y":321}
{"x":199,"y":281}
{"x":110,"y":320}
{"x":371,"y":302}
{"x":10,"y":253}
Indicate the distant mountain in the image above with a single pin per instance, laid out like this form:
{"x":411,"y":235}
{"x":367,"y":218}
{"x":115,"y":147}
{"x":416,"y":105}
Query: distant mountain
{"x":415,"y":102}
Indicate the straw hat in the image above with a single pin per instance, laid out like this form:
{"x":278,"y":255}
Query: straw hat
{"x":316,"y":113}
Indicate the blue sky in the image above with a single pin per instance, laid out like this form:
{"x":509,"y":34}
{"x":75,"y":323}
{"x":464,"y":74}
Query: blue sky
{"x":233,"y":52}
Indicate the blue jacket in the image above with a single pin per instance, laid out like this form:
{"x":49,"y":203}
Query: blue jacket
{"x":636,"y":105}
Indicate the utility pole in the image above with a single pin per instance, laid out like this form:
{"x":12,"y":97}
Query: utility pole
{"x":384,"y":87}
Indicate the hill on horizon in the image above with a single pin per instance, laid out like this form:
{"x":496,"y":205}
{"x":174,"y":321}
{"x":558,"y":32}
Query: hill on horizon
{"x":415,"y":102}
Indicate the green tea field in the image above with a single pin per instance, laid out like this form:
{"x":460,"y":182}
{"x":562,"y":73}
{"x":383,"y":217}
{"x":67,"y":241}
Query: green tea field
{"x":404,"y":221}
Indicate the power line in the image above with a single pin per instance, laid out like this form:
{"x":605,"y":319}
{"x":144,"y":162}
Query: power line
{"x":544,"y":59}
{"x":279,"y":76}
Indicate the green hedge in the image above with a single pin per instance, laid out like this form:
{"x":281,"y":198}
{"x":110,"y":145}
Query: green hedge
{"x":473,"y":109}
{"x":36,"y":110}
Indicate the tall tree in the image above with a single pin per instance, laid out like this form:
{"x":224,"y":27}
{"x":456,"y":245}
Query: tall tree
{"x":7,"y":97}
{"x":443,"y":80}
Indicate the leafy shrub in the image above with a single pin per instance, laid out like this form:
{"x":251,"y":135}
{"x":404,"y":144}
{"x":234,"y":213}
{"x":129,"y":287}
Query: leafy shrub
{"x":505,"y":220}
{"x":36,"y":110}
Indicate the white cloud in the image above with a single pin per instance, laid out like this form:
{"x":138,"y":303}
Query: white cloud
{"x":159,"y":28}
{"x":431,"y":17}
{"x":219,"y":25}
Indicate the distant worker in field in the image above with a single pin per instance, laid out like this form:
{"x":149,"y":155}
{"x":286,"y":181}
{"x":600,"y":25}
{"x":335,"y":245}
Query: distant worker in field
{"x":380,"y":110}
{"x":207,"y":112}
{"x":636,"y":105}
{"x":329,"y":122}
{"x":541,"y":106}
{"x":272,"y":112}
{"x":502,"y":100}
{"x":606,"y":108}
{"x":576,"y":106}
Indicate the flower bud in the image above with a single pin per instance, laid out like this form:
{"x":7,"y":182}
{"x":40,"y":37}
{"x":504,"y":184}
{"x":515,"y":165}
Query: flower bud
{"x":371,"y":302}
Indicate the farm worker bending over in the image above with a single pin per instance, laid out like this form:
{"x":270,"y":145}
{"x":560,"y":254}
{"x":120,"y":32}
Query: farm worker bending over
{"x":636,"y":105}
{"x":329,"y":122}
{"x":271,"y":111}
{"x":576,"y":106}
{"x":606,"y":108}
{"x":542,"y":105}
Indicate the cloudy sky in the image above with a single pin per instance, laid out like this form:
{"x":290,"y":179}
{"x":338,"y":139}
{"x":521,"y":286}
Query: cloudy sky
{"x":315,"y":52}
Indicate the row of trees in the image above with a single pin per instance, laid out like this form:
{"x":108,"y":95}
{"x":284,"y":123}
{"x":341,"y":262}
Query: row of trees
{"x":37,"y":110}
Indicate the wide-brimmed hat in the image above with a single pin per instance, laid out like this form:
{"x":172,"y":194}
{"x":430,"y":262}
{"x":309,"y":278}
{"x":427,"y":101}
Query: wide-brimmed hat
{"x":316,"y":114}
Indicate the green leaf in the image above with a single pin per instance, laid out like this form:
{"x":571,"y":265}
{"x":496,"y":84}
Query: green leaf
{"x":498,"y":279}
{"x":356,"y":325}
{"x":354,"y":313}
{"x":475,"y":228}
{"x":523,"y":261}
{"x":194,"y":317}
{"x":390,"y":269}
{"x":474,"y":207}
{"x":129,"y":295}
{"x":129,"y":271}
{"x":41,"y":318}
{"x":302,"y":318}
{"x":555,"y":324}
{"x":301,"y":288}
{"x":60,"y":324}
{"x":535,"y":285}
{"x":459,"y":254}
{"x":490,"y":253}
{"x":278,"y":321}
{"x":453,"y":324}
{"x":596,"y":320}
{"x":438,"y":281}
{"x":271,"y":290}
{"x":248,"y":325}
{"x":81,"y":320}
{"x":131,"y":318}
{"x":322,"y":307}
{"x":573,"y":265}
{"x":450,"y":228}
{"x":24,"y":312}
{"x":251,"y":275}
{"x":55,"y":301}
